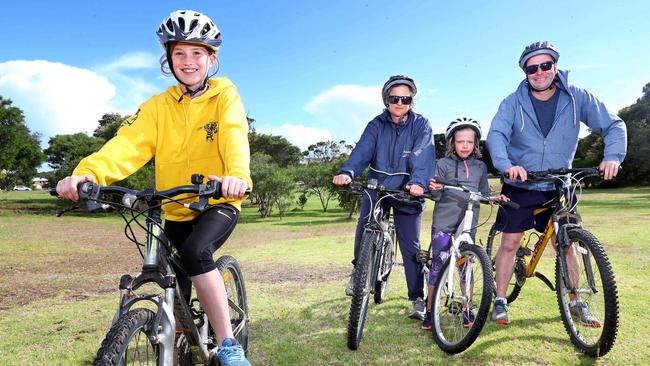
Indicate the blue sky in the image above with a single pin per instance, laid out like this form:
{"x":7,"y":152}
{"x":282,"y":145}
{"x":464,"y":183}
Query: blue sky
{"x":312,"y":71}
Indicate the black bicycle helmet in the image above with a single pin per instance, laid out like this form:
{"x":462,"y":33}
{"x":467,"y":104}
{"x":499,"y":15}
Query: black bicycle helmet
{"x":538,"y":48}
{"x":397,"y":80}
{"x":462,"y":122}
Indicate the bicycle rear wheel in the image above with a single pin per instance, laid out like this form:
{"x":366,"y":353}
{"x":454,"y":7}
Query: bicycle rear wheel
{"x":233,"y":279}
{"x":385,"y":266}
{"x":362,"y":279}
{"x":470,"y":297}
{"x":518,"y":278}
{"x":128,"y":341}
{"x":593,"y":284}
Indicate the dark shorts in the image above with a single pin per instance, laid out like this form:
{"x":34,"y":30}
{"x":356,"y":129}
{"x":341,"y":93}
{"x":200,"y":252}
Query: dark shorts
{"x":510,"y":220}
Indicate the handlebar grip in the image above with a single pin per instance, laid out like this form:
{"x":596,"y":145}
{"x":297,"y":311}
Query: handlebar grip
{"x":444,"y":182}
{"x":511,"y":204}
{"x":217,"y":189}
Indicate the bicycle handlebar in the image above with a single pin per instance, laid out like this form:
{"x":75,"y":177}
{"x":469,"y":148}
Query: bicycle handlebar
{"x":358,"y":189}
{"x":482,"y":198}
{"x":551,"y":173}
{"x":90,"y":192}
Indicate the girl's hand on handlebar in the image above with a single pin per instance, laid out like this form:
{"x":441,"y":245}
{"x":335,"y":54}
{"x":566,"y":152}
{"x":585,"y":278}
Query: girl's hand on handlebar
{"x":515,"y":172}
{"x":67,"y":187}
{"x":434,"y":186}
{"x":342,"y":180}
{"x":231,"y":187}
{"x":608,"y":169}
{"x":414,"y":190}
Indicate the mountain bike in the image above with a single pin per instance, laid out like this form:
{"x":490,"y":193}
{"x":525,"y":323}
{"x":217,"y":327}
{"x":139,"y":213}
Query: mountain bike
{"x":465,"y":282}
{"x":175,"y":331}
{"x":376,"y":256}
{"x":590,"y":280}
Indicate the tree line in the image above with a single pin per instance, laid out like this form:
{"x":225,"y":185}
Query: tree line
{"x":283,"y":175}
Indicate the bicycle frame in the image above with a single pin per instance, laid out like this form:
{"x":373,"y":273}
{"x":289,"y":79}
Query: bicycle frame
{"x":380,"y":223}
{"x":157,"y":268}
{"x":560,"y":221}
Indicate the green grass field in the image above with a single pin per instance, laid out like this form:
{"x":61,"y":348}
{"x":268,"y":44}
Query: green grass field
{"x":59,"y":276}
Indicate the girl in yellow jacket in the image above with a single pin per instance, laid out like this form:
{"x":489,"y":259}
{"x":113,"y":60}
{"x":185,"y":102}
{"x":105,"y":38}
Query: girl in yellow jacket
{"x":197,"y":126}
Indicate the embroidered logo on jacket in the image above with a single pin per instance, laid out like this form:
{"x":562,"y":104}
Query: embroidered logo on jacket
{"x":210,"y":129}
{"x":130,"y":119}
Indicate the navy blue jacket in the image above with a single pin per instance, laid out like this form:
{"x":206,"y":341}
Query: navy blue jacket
{"x":397,"y":154}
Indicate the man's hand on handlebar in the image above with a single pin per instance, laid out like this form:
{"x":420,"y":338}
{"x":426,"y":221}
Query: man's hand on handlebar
{"x":231,"y":187}
{"x":608,"y":169}
{"x":67,"y":187}
{"x":515,"y":172}
{"x":342,"y":180}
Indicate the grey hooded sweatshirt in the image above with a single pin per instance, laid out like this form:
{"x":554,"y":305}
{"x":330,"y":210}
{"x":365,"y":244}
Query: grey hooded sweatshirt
{"x":450,"y":204}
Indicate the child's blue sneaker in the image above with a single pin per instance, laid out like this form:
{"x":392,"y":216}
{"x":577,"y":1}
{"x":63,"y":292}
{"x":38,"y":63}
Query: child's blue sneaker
{"x":231,"y":353}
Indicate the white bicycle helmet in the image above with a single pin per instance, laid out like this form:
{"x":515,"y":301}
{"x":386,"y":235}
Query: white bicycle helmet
{"x":462,"y":122}
{"x":538,"y":48}
{"x":397,"y":80}
{"x":189,"y":26}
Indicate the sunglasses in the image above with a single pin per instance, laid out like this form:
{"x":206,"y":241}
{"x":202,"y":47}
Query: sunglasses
{"x":545,"y":66}
{"x":394,"y":99}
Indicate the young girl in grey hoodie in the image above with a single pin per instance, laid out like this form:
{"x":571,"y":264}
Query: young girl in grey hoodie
{"x":460,"y":165}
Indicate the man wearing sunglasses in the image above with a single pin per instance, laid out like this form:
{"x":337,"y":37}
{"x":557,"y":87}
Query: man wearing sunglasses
{"x":397,"y":146}
{"x":536,"y":128}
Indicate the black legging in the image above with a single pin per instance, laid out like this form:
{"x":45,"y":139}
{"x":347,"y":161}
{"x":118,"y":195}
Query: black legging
{"x":197,"y":240}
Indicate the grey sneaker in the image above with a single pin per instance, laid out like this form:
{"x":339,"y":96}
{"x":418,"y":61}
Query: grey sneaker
{"x":418,"y":309}
{"x":580,"y":313}
{"x":349,"y":289}
{"x":500,"y":312}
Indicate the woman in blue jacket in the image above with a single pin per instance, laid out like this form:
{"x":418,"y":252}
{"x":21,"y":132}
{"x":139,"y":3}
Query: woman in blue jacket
{"x":397,"y":146}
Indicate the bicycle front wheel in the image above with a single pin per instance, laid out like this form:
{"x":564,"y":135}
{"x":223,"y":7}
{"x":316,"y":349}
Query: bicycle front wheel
{"x":518,"y":279}
{"x":233,"y":280}
{"x":588,"y":299}
{"x":362,"y":279}
{"x":460,"y":307}
{"x":128,"y":341}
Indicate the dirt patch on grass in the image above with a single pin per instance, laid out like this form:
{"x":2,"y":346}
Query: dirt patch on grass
{"x":81,"y":258}
{"x":272,"y":273}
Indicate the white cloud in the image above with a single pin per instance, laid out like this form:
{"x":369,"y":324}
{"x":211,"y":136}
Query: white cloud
{"x":63,"y":99}
{"x":56,"y":98}
{"x":299,"y":134}
{"x":345,"y":110}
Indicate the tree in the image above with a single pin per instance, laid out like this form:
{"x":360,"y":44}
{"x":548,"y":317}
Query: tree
{"x":637,"y":119}
{"x":20,"y":152}
{"x":326,"y":151}
{"x":65,"y":152}
{"x":108,"y":125}
{"x":282,"y":151}
{"x":273,"y":186}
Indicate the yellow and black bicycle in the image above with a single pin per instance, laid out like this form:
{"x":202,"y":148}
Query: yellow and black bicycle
{"x":583,"y":273}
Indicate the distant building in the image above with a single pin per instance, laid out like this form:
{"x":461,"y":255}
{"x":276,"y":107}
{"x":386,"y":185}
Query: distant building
{"x":40,"y":183}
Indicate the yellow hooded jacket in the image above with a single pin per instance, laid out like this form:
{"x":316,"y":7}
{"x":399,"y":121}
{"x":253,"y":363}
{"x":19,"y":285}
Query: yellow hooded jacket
{"x":206,"y":135}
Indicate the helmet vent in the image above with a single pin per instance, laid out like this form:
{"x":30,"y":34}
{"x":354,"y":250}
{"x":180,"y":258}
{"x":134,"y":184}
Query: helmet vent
{"x":181,"y":24}
{"x":193,"y":24}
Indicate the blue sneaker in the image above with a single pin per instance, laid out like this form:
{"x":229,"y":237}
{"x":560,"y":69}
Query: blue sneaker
{"x":231,"y":353}
{"x":468,"y":318}
{"x":500,"y":312}
{"x":426,"y":323}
